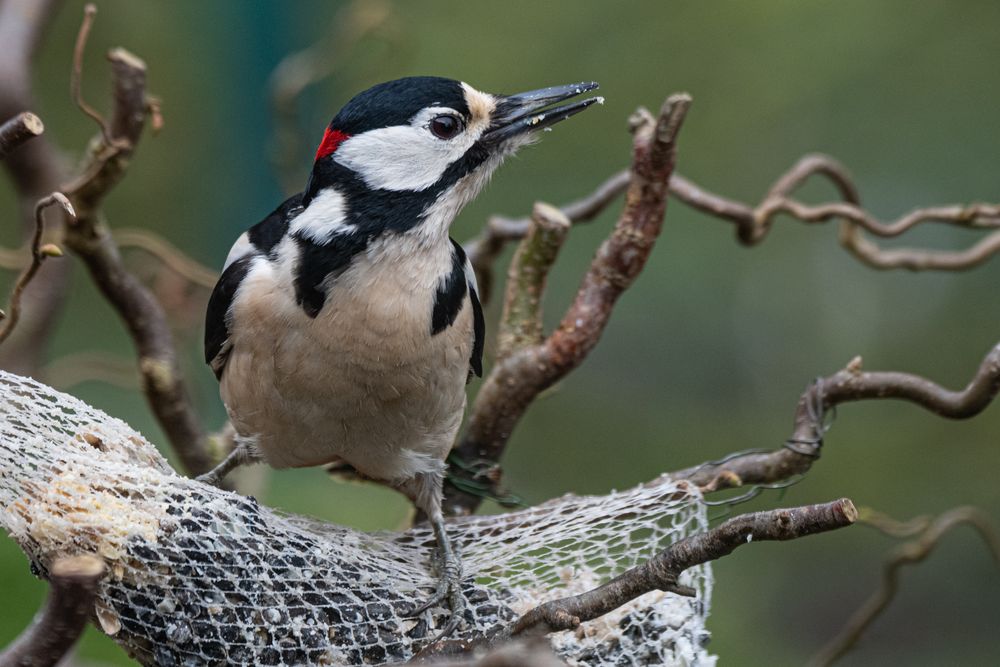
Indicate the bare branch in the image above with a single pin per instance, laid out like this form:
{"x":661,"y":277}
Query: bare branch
{"x":91,"y":366}
{"x":92,"y":242}
{"x":17,"y":130}
{"x":753,"y":223}
{"x":887,"y":525}
{"x":61,"y":622}
{"x":172,"y":256}
{"x":803,"y":448}
{"x":521,"y":323}
{"x":76,"y":78}
{"x":516,"y":380}
{"x":909,"y":553}
{"x":484,"y":249}
{"x":302,"y":69}
{"x":35,"y":170}
{"x":662,"y":571}
{"x":39,"y":253}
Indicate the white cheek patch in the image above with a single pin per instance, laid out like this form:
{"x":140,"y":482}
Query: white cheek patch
{"x":403,"y":157}
{"x":397,"y":158}
{"x":325,"y":216}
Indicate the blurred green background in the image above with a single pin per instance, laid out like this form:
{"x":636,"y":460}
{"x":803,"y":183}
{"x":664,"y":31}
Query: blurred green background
{"x":710,"y":350}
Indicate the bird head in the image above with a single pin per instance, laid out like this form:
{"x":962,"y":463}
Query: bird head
{"x":431,"y":141}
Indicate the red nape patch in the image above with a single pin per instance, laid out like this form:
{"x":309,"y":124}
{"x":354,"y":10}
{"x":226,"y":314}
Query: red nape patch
{"x":331,"y":142}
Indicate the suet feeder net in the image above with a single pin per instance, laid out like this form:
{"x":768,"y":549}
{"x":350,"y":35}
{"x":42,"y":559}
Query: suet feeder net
{"x":203,"y":576}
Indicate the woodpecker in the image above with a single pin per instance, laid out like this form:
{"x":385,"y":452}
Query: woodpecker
{"x":347,"y":323}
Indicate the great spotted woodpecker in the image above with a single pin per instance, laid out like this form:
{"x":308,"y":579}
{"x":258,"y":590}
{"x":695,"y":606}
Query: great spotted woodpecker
{"x":346,"y":324}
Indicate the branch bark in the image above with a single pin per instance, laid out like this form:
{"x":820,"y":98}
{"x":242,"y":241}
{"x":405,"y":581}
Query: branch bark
{"x":35,"y":169}
{"x":90,"y":239}
{"x":517,"y":378}
{"x":850,"y":384}
{"x":484,"y":249}
{"x":662,"y":571}
{"x":909,"y":553}
{"x":61,"y":622}
{"x":754,"y":223}
{"x":17,"y":130}
{"x":39,"y":253}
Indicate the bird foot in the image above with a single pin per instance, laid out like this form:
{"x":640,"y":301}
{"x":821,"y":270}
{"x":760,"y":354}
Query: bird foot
{"x":449,"y":589}
{"x":241,"y":455}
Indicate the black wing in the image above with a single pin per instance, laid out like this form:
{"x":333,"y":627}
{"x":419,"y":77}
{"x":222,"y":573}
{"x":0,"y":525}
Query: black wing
{"x":478,"y":328}
{"x":217,"y":345}
{"x":449,"y":299}
{"x":450,"y":294}
{"x":266,"y":234}
{"x":263,"y":238}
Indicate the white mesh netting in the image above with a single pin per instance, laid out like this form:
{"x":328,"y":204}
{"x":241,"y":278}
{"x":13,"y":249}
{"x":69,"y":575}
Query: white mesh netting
{"x":201,"y":576}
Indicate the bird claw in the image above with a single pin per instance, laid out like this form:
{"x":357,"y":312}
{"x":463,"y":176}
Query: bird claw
{"x":211,"y":478}
{"x":449,"y":588}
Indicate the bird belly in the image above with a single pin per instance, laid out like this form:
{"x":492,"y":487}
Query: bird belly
{"x":364,"y":382}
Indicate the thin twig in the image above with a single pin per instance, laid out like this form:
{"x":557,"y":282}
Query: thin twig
{"x":909,"y":553}
{"x":90,"y":239}
{"x":61,"y":622}
{"x":38,"y":255}
{"x":887,"y":525}
{"x":172,"y":256}
{"x":17,"y":130}
{"x":76,"y":76}
{"x":35,"y":170}
{"x":514,"y":382}
{"x":91,"y":366}
{"x":753,"y":223}
{"x":803,"y":448}
{"x":484,"y":249}
{"x":663,"y":570}
{"x":298,"y":71}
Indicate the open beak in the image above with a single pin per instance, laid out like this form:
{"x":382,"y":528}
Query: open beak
{"x":527,"y":112}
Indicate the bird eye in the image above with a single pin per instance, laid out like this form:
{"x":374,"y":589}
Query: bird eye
{"x":446,"y":127}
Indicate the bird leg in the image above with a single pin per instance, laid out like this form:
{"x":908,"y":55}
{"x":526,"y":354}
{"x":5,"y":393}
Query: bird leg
{"x":425,"y":490}
{"x":243,"y":453}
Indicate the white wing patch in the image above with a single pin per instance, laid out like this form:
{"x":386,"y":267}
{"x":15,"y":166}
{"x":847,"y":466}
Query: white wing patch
{"x":325,"y":216}
{"x":240,"y":249}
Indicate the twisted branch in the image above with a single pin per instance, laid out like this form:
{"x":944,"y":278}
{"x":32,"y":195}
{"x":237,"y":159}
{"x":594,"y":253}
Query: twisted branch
{"x":484,"y":249}
{"x":753,"y":223}
{"x":298,"y":71}
{"x":90,"y":239}
{"x":35,"y":169}
{"x":61,"y":622}
{"x":527,"y":367}
{"x":825,"y":394}
{"x":663,"y":570}
{"x":909,"y":553}
{"x":172,"y":257}
{"x":39,"y":253}
{"x":91,"y":366}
